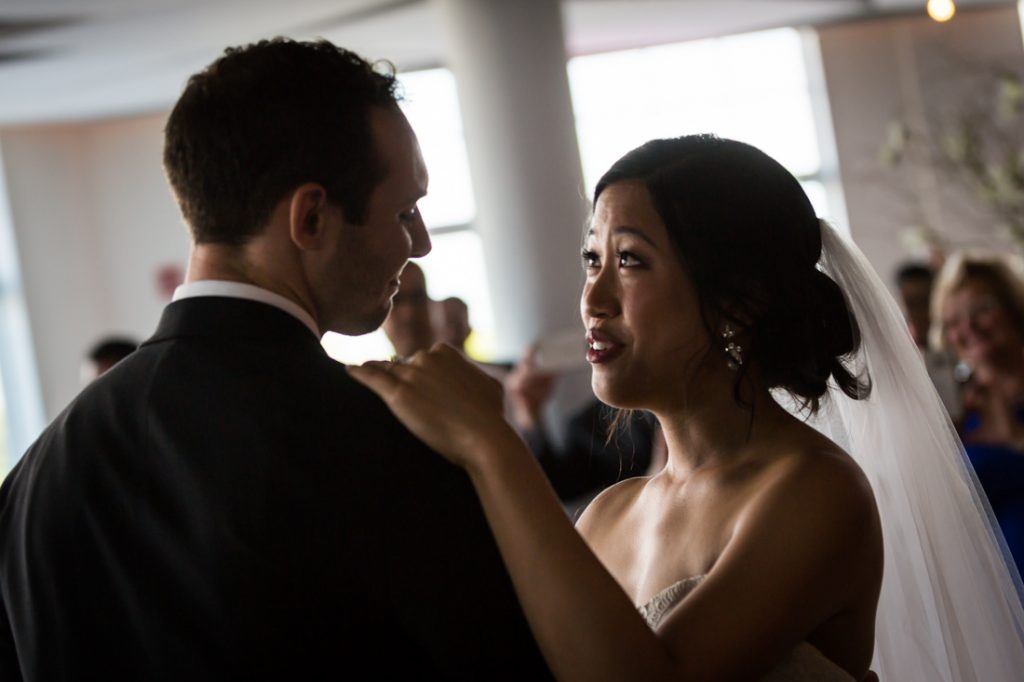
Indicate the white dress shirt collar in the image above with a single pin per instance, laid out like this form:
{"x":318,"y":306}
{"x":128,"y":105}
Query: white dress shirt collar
{"x":249,"y":292}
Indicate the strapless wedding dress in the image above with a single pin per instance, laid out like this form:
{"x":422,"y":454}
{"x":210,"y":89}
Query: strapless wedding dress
{"x":803,"y":664}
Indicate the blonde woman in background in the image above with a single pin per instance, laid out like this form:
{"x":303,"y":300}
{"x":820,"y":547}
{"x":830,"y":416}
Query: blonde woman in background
{"x":978,"y":314}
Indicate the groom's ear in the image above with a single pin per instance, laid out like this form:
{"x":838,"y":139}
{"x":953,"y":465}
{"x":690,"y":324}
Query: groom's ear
{"x":308,"y":214}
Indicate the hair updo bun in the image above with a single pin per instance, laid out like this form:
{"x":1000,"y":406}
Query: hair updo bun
{"x":749,"y":238}
{"x":800,"y":349}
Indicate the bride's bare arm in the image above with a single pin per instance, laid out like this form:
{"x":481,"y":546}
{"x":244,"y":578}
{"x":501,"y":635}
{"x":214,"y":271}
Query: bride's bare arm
{"x":569,"y":598}
{"x":757,"y":603}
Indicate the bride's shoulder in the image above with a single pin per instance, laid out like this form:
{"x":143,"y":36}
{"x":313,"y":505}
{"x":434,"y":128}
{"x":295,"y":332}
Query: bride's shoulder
{"x":611,"y":504}
{"x":814,"y":484}
{"x":823,"y":465}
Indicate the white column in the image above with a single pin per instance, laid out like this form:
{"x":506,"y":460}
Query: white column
{"x":509,"y":62}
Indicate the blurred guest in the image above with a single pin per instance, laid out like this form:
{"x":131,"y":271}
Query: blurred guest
{"x":914,"y":281}
{"x":106,"y":353}
{"x":979,"y":311}
{"x":915,"y":286}
{"x":527,"y":390}
{"x":408,"y":325}
{"x":450,"y":318}
{"x":451,"y":322}
{"x":598,"y":449}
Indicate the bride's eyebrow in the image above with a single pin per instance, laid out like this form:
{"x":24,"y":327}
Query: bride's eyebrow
{"x":636,"y":232}
{"x":626,"y":229}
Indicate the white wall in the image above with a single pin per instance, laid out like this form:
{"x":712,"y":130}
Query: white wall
{"x":93,"y":221}
{"x":913,"y":69}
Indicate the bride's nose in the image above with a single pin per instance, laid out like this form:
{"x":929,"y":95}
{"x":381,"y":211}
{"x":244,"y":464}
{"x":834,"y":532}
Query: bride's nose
{"x":600,"y":296}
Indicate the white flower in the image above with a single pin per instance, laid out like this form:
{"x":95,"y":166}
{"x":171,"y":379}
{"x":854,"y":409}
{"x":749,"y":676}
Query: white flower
{"x":1010,"y":97}
{"x":955,"y":145}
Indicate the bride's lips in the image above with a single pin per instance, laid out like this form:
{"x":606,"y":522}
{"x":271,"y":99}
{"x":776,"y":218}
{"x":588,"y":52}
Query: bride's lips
{"x":601,"y":347}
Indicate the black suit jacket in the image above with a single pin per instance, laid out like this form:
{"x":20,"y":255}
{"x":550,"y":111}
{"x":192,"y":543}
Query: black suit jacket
{"x":226,"y":503}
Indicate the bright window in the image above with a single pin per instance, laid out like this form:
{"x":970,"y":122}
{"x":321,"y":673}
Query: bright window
{"x":751,"y":87}
{"x":431,"y":104}
{"x":5,"y":457}
{"x":21,"y":407}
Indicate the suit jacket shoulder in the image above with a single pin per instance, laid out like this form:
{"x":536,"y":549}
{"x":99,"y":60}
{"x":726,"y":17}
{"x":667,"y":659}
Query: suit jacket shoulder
{"x":227,"y":501}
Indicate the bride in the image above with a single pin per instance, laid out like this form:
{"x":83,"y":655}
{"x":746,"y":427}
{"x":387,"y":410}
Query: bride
{"x":758,"y":551}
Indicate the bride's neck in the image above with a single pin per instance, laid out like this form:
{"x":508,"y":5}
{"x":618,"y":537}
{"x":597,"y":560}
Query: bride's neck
{"x":714,"y":427}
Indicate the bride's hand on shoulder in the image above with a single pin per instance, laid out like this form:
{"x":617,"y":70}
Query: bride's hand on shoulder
{"x":444,"y":399}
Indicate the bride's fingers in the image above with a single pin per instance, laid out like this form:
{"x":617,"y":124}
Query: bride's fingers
{"x":376,"y":376}
{"x":439,"y":355}
{"x":424,"y":390}
{"x":392,"y":381}
{"x":427,"y":379}
{"x":383,"y":365}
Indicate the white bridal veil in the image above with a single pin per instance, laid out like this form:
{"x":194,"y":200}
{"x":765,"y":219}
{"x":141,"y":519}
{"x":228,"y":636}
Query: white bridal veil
{"x":950,"y":607}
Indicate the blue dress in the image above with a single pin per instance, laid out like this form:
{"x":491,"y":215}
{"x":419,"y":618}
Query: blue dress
{"x":1000,"y":470}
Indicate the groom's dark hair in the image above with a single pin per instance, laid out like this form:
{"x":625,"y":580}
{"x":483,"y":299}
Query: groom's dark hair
{"x":262,"y":120}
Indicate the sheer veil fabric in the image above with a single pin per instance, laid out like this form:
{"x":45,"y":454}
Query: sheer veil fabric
{"x":950,"y":606}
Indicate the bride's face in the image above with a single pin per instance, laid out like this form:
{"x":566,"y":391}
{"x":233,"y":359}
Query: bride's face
{"x":644,"y":333}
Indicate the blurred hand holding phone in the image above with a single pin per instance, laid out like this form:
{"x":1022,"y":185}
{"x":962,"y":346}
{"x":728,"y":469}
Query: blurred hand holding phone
{"x":562,"y":351}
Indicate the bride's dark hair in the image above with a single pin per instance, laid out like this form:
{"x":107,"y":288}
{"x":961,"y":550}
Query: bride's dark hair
{"x":749,"y":238}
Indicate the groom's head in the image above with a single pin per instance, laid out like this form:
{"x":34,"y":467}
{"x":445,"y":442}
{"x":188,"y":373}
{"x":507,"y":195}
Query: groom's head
{"x":296,"y":171}
{"x":264,"y":119}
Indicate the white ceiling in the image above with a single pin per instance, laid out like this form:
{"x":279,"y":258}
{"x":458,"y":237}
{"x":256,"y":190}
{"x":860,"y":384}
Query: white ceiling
{"x":66,"y":60}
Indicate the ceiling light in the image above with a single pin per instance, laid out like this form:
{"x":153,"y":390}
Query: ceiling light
{"x":941,"y":10}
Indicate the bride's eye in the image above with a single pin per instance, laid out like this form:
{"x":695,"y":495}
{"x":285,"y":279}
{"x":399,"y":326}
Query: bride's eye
{"x":627,"y":259}
{"x":590,"y":259}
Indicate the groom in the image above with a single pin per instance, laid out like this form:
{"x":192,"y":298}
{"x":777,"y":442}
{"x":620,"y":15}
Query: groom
{"x":226,"y":503}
